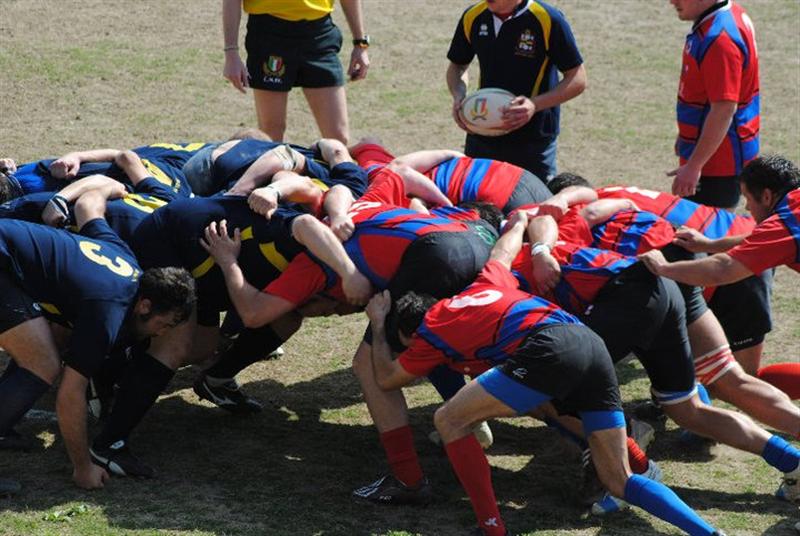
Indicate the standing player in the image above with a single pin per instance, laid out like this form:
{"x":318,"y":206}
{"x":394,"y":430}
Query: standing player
{"x":91,"y":283}
{"x":718,"y":102}
{"x":521,"y":45}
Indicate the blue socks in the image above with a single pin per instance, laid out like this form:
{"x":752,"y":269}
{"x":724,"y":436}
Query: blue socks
{"x":781,"y":455}
{"x":662,"y":502}
{"x":19,"y":391}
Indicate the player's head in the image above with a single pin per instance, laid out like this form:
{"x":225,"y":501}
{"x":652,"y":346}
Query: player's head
{"x":165,"y":299}
{"x":562,"y":180}
{"x":502,"y":7}
{"x":9,"y":187}
{"x":765,"y":180}
{"x":199,"y":170}
{"x":406,"y":317}
{"x":486,"y":211}
{"x":691,"y":9}
{"x":250,"y":133}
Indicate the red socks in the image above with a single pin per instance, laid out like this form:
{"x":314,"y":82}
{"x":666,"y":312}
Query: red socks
{"x":472,"y":467}
{"x":784,"y":376}
{"x":402,"y":456}
{"x":636,"y":457}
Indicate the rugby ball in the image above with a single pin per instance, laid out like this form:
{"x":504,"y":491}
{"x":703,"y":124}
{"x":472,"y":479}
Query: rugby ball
{"x":482,"y":111}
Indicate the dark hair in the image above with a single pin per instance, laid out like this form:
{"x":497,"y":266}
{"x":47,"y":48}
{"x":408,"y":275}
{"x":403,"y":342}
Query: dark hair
{"x":168,"y":289}
{"x":562,"y":180}
{"x":5,"y":188}
{"x":770,"y":172}
{"x":409,"y":311}
{"x":486,"y":211}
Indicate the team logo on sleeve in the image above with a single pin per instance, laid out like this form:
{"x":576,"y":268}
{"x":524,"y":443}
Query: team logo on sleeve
{"x":274,"y":68}
{"x":526,"y":44}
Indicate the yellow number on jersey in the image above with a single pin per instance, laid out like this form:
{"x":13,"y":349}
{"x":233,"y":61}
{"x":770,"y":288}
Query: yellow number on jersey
{"x":119,"y":265}
{"x":177,"y":147}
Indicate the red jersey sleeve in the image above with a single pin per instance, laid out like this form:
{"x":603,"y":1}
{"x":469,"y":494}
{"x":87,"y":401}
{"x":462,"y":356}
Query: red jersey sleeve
{"x":574,"y":228}
{"x":387,"y":187}
{"x":302,"y":279}
{"x":769,"y":245}
{"x":721,"y":70}
{"x":420,"y":358}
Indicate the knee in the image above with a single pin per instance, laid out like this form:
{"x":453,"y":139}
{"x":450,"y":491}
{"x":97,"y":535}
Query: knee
{"x":450,"y":425}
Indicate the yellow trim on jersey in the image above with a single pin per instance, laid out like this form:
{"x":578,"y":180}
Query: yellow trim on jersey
{"x":203,"y":268}
{"x":50,"y":308}
{"x":158,"y":174}
{"x":544,"y":19}
{"x":291,"y":10}
{"x":139,"y":202}
{"x":321,"y":185}
{"x":470,"y":16}
{"x":188,"y":147}
{"x":274,"y":257}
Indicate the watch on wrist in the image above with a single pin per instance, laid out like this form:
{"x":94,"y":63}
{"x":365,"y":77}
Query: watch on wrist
{"x":361,"y":43}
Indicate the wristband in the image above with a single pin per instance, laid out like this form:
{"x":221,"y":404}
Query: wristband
{"x":277,"y":192}
{"x":60,"y":204}
{"x":539,"y":248}
{"x":231,"y":47}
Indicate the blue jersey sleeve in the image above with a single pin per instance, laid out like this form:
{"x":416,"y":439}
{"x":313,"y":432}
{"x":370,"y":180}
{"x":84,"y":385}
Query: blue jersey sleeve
{"x":563,"y":48}
{"x":95,"y":331}
{"x":28,"y":207}
{"x":351,"y":175}
{"x":151,"y":186}
{"x":461,"y":51}
{"x":99,"y":229}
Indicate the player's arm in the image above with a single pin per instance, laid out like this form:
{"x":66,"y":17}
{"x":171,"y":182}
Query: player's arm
{"x":418,"y":185}
{"x":132,"y":165}
{"x":389,"y":374}
{"x":324,"y":245}
{"x":285,"y":186}
{"x":696,"y":242}
{"x":90,"y":206}
{"x":336,"y":205}
{"x":425,"y":160}
{"x":558,"y":205}
{"x":713,"y":132}
{"x":571,"y":85}
{"x":281,"y":158}
{"x":71,"y":411}
{"x":359,"y":59}
{"x":67,"y":166}
{"x":543,"y":234}
{"x":56,"y":211}
{"x":234,"y":70}
{"x":457,"y":83}
{"x":602,"y":209}
{"x":718,"y":269}
{"x":254,"y":307}
{"x":508,"y":245}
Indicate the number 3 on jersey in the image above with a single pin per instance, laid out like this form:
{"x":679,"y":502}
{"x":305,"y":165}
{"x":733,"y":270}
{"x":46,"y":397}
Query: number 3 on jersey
{"x":118,"y":266}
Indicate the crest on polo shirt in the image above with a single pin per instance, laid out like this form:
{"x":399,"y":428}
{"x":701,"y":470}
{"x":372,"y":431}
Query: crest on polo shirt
{"x":483,"y":31}
{"x":526,"y":44}
{"x":274,"y":69}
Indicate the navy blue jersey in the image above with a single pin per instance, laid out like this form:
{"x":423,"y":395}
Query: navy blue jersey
{"x":164,"y":161}
{"x":171,"y":237}
{"x":123,"y":215}
{"x":523,"y":57}
{"x":87,"y":281}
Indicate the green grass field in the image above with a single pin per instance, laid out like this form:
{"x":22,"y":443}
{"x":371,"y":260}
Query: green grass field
{"x":81,"y":74}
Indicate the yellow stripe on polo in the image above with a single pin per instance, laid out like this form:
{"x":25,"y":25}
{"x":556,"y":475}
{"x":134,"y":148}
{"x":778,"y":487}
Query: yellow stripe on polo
{"x":291,"y":10}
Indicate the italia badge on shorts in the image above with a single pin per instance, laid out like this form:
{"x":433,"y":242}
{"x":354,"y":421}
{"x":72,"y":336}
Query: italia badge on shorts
{"x":274,"y":69}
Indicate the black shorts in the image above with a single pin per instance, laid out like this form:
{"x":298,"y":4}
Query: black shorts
{"x":723,"y":192}
{"x":529,"y":190}
{"x":743,"y":309}
{"x":641,"y":313}
{"x":692,"y":296}
{"x":566,"y":362}
{"x":16,"y":307}
{"x":283,"y":54}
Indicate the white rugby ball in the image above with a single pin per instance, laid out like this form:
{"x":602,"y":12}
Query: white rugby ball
{"x":482,"y":111}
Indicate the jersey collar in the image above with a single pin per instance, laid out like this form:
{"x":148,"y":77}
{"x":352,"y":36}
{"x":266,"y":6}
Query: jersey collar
{"x":518,"y":11}
{"x":708,"y":13}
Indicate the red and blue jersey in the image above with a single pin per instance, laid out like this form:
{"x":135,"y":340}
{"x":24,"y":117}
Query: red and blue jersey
{"x":632,"y":232}
{"x":476,"y":179}
{"x":480,"y":327}
{"x":776,"y":240}
{"x":720,"y":63}
{"x":713,"y":222}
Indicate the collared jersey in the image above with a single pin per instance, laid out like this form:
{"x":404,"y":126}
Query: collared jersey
{"x":713,"y":222}
{"x":289,"y":9}
{"x":480,"y":327}
{"x":87,"y":281}
{"x":383,"y":232}
{"x":522,"y":54}
{"x":776,"y":240}
{"x":171,"y":236}
{"x":164,"y":162}
{"x":720,"y":63}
